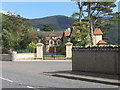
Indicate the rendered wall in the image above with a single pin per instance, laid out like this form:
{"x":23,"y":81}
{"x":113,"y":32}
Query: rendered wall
{"x":97,"y":38}
{"x":99,"y":60}
{"x":6,"y":57}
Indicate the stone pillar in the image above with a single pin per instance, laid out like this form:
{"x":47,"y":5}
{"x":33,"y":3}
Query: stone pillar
{"x":69,"y":50}
{"x":14,"y":56}
{"x":39,"y":51}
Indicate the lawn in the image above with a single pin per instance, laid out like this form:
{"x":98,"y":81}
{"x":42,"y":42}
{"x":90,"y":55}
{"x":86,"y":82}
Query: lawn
{"x":54,"y":56}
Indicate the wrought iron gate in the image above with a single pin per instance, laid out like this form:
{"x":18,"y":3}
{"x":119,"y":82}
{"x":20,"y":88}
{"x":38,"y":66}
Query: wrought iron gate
{"x":53,"y":53}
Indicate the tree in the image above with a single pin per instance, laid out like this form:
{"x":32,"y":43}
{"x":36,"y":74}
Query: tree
{"x":7,"y":39}
{"x":81,"y":36}
{"x":48,"y":28}
{"x":94,"y":12}
{"x":14,"y":31}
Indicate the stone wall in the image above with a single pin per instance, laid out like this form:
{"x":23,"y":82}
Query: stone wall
{"x":6,"y":57}
{"x":99,"y":60}
{"x":26,"y":56}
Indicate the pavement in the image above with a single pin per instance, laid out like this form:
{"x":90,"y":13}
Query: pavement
{"x":34,"y":60}
{"x":52,"y":74}
{"x":110,"y":81}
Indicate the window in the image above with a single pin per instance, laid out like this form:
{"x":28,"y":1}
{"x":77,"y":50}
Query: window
{"x":51,"y":42}
{"x":58,"y":42}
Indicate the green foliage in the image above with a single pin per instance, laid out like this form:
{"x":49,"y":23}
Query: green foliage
{"x":42,"y":38}
{"x":47,"y":28}
{"x":94,"y":14}
{"x":15,"y":31}
{"x":74,"y":16}
{"x":82,"y":38}
{"x":54,"y":56}
{"x":7,"y":39}
{"x":31,"y":47}
{"x":23,"y":51}
{"x":80,"y":23}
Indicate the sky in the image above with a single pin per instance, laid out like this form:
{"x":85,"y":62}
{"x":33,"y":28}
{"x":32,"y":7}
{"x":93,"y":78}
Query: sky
{"x":33,"y":10}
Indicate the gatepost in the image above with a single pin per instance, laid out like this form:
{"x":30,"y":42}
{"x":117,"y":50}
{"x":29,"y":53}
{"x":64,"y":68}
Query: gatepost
{"x":39,"y":51}
{"x":14,"y":56}
{"x":69,"y":50}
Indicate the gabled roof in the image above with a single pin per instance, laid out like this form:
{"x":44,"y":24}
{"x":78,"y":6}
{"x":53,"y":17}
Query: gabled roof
{"x":47,"y":38}
{"x":59,"y":37}
{"x":54,"y":34}
{"x":67,"y":33}
{"x":102,"y":42}
{"x":98,"y":31}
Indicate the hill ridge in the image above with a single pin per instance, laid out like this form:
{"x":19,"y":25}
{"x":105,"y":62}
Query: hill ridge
{"x":58,"y":22}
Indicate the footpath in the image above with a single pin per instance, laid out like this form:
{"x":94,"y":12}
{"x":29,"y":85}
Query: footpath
{"x":90,"y":77}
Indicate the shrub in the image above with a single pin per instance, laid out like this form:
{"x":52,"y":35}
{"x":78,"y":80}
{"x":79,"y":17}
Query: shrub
{"x":23,"y":51}
{"x":6,"y":51}
{"x":31,"y":47}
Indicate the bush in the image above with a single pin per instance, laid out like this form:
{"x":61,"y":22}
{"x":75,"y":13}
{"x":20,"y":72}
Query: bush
{"x":31,"y":47}
{"x":6,"y":51}
{"x":23,"y":51}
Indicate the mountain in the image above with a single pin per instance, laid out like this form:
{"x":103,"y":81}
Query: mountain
{"x":58,"y":22}
{"x":113,"y":34}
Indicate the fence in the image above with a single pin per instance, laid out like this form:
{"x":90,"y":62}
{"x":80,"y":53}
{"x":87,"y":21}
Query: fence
{"x":99,"y":60}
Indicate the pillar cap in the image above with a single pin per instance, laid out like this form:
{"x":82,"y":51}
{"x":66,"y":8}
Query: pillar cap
{"x":39,"y":44}
{"x":68,"y":43}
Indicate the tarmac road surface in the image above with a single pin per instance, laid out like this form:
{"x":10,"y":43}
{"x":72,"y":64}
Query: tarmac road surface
{"x":32,"y":74}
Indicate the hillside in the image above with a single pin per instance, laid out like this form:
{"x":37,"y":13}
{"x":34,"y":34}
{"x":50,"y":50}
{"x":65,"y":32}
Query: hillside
{"x":114,"y":33}
{"x":59,"y":22}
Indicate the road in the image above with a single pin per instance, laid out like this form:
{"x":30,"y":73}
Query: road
{"x":32,"y":74}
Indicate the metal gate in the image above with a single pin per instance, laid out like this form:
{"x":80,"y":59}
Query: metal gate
{"x":53,"y":53}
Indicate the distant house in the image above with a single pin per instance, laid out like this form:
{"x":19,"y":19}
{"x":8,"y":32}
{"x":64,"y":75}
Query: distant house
{"x":66,"y":35}
{"x":53,"y":43}
{"x":97,"y":35}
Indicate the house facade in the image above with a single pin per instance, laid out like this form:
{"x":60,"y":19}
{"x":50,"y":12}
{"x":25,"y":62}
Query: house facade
{"x":53,"y":43}
{"x":98,"y":37}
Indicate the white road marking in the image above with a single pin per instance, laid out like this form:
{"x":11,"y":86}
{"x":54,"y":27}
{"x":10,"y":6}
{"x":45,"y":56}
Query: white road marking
{"x":6,"y":79}
{"x":29,"y":87}
{"x":12,"y":81}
